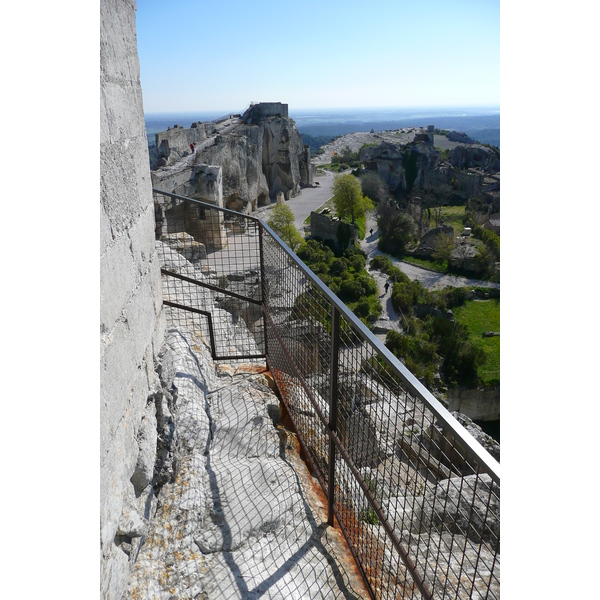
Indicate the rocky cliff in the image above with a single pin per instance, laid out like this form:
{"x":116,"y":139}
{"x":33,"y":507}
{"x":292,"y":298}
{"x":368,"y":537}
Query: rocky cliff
{"x":260,"y":152}
{"x":414,"y":160}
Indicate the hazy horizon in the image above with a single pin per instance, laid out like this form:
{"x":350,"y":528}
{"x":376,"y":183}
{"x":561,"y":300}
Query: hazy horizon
{"x":481,"y":123}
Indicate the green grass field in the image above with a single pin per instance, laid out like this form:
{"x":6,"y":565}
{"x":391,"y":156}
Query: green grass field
{"x":480,"y":316}
{"x":434,"y":265}
{"x":453,"y":215}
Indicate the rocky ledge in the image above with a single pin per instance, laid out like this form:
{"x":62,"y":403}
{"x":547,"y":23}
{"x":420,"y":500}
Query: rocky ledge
{"x":238,"y":518}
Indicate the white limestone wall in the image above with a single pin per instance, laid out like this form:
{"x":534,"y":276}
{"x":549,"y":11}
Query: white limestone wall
{"x":132,"y":327}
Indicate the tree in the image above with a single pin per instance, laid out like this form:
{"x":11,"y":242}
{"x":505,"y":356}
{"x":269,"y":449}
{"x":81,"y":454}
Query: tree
{"x":396,"y":229}
{"x":348,"y":198}
{"x":281,"y":222}
{"x":374,"y":187}
{"x":442,"y":247}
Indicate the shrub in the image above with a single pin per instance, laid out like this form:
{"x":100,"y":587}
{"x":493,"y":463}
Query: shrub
{"x":320,"y":268}
{"x":363,"y":308}
{"x":358,"y":262}
{"x":461,"y":357}
{"x":449,"y":297}
{"x":351,"y":290}
{"x":416,"y":351}
{"x":397,"y":275}
{"x":380,"y":262}
{"x":312,"y":252}
{"x":407,"y":293}
{"x":338,"y":266}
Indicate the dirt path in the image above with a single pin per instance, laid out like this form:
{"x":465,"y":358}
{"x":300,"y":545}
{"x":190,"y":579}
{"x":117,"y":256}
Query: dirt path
{"x":429,"y":279}
{"x":432,"y":280}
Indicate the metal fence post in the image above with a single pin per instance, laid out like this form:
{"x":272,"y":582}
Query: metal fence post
{"x":263,"y":282}
{"x":333,"y":401}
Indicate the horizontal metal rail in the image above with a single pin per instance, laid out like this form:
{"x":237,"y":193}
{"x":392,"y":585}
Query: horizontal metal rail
{"x":225,"y":211}
{"x":213,"y":349}
{"x":208,"y":286}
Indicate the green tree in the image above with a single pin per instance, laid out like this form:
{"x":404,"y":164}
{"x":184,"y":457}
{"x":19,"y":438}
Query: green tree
{"x":442,"y":247}
{"x":281,"y":222}
{"x":374,"y":187}
{"x":348,"y":198}
{"x":396,"y":228}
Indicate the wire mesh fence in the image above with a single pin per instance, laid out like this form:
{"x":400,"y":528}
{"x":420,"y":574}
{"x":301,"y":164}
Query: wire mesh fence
{"x":212,"y":280}
{"x":417,"y":498}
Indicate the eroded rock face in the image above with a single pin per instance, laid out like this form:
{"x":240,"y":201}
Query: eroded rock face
{"x":466,"y":156}
{"x":428,"y":242}
{"x":284,"y":157}
{"x":239,"y":155}
{"x":386,"y":161}
{"x":235,"y":510}
{"x":403,"y":165}
{"x":261,"y":155}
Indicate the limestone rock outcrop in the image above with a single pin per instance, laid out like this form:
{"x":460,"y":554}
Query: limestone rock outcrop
{"x":459,"y":136}
{"x":403,"y":165}
{"x":427,"y":244}
{"x":466,"y":156}
{"x":239,"y":155}
{"x":412,"y":162}
{"x":260,"y":152}
{"x":464,"y":257}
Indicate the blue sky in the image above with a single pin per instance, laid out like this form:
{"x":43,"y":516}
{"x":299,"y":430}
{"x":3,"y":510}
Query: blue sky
{"x":205,"y":55}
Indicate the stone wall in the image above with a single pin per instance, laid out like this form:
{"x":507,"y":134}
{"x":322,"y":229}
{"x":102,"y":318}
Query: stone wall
{"x":178,"y":139}
{"x":265,"y":109}
{"x":324,"y":228}
{"x":478,"y":404}
{"x":132,"y":327}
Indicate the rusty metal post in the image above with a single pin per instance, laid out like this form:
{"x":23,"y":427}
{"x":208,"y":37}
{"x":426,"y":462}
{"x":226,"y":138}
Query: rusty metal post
{"x":333,"y":402}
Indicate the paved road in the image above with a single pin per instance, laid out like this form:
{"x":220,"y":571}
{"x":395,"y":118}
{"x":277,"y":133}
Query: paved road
{"x":308,"y":200}
{"x":429,"y":279}
{"x":311,"y":198}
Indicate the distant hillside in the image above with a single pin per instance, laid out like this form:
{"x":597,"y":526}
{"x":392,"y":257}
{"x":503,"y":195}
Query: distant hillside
{"x":316,"y":141}
{"x":483,"y":128}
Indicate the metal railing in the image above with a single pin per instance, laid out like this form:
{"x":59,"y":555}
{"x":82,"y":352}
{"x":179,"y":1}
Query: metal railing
{"x":416,"y":496}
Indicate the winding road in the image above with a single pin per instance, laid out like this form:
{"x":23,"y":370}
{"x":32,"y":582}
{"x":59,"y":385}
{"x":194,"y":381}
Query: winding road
{"x":312,"y":198}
